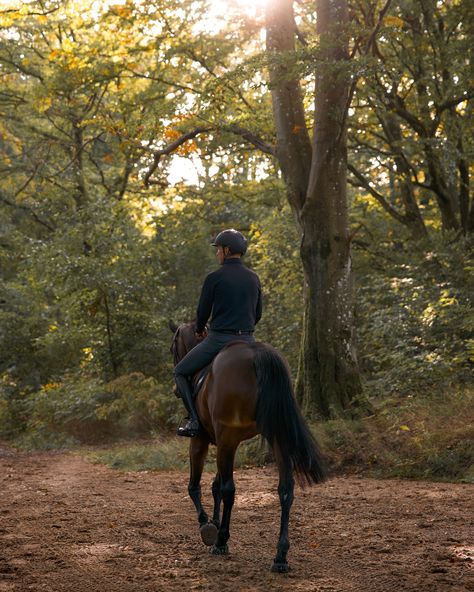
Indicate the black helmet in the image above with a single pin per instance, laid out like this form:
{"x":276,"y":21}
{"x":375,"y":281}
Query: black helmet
{"x":233,"y":239}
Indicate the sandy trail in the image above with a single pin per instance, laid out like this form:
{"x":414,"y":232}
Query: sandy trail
{"x":67,"y":525}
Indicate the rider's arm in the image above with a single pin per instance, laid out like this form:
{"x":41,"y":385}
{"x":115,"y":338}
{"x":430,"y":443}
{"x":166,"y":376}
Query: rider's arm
{"x":258,"y":311}
{"x":205,"y":304}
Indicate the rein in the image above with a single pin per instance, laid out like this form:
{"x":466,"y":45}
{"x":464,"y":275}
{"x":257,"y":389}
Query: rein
{"x":174,"y":347}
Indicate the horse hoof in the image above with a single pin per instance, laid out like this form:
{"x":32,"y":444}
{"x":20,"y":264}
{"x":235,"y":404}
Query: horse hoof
{"x":224,"y":550}
{"x":208,"y":533}
{"x":280,"y":567}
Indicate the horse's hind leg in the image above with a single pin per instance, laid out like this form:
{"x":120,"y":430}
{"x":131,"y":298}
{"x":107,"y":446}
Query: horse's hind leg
{"x":225,"y":467}
{"x":285,"y":493}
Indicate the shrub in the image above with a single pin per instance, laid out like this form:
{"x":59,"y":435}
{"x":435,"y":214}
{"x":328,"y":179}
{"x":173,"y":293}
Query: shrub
{"x":81,"y":409}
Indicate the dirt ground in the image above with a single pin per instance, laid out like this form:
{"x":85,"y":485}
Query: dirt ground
{"x":67,"y":525}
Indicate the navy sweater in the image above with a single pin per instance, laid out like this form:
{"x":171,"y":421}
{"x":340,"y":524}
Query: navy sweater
{"x":233,"y":295}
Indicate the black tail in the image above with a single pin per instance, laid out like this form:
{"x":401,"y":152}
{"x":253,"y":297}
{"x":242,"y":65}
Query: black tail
{"x":279,"y":419}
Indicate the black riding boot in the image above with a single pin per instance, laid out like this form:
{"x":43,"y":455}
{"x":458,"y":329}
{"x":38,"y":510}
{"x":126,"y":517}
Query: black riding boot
{"x":192,"y":426}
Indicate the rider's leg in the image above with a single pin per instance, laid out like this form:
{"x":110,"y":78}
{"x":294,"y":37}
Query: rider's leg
{"x":197,"y":358}
{"x":185,"y":389}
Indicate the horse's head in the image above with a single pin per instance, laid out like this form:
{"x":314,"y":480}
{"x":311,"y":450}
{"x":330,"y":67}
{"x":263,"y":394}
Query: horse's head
{"x":184,"y":340}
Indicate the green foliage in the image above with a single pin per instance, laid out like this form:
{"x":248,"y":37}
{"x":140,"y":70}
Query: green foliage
{"x":160,"y":455}
{"x":137,"y":404}
{"x":275,"y":255}
{"x":415,"y":317}
{"x":82,"y":409}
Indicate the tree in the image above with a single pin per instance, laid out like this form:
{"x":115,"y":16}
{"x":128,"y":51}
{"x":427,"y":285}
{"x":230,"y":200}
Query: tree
{"x":316,"y":180}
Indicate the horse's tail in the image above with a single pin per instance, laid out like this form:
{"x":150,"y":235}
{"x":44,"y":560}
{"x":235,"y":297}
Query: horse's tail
{"x":279,"y":419}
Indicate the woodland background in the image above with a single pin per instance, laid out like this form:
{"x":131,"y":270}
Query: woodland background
{"x":131,"y":133}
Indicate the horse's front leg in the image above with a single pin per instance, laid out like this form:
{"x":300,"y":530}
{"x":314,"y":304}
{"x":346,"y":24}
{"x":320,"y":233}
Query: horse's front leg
{"x":225,"y":467}
{"x":198,"y":448}
{"x":285,"y":492}
{"x":217,"y":495}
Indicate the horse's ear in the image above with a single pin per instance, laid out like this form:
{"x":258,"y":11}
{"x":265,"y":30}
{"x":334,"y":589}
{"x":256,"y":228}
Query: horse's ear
{"x":173,"y":326}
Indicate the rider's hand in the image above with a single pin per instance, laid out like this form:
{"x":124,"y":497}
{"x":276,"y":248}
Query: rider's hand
{"x":202,"y":335}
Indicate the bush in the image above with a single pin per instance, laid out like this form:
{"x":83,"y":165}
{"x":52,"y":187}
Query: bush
{"x":81,"y":409}
{"x":427,"y":438}
{"x":415,"y":320}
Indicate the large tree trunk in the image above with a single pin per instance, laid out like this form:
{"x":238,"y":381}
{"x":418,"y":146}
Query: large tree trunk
{"x":330,"y":366}
{"x":329,"y":375}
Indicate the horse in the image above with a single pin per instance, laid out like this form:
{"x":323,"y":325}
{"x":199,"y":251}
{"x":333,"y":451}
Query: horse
{"x":248,"y":391}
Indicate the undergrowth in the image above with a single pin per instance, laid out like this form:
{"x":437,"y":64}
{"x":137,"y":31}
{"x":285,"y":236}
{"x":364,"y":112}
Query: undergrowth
{"x":429,"y":437}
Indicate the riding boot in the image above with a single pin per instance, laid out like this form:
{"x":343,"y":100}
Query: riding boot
{"x":191,"y":428}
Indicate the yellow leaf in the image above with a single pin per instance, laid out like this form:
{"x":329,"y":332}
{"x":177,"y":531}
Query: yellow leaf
{"x":68,"y":45}
{"x":44,"y":104}
{"x":393,"y":21}
{"x":404,"y":428}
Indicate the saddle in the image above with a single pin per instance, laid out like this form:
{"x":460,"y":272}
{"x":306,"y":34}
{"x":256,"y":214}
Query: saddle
{"x":199,"y":378}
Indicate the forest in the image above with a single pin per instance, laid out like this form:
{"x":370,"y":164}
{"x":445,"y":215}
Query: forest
{"x":337,"y":135}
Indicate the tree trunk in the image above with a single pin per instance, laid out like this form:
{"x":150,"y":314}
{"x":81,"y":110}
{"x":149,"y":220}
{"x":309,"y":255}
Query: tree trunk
{"x":293,"y":148}
{"x":329,"y":379}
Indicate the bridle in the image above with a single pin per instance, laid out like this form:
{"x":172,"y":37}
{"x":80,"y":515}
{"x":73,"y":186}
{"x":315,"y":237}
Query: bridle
{"x":180,"y":340}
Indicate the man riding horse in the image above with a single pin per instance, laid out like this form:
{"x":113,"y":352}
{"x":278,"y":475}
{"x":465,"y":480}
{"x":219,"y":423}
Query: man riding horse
{"x":232,"y":294}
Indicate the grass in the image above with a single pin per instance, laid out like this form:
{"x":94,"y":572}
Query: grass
{"x":171,"y":454}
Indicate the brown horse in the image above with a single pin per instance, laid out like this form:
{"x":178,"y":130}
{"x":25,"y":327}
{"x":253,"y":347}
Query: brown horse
{"x":247,"y":392}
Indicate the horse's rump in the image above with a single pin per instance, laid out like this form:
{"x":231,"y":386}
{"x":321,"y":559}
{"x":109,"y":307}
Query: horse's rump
{"x":250,"y":385}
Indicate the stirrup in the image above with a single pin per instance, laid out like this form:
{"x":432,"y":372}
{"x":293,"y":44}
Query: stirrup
{"x":190,"y":429}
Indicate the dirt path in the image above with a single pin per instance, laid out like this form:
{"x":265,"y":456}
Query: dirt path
{"x":67,"y":525}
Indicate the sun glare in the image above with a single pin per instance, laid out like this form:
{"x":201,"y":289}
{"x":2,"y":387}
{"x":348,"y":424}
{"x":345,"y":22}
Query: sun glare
{"x":219,"y":9}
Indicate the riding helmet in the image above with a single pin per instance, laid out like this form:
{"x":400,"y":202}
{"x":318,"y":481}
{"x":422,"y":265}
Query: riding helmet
{"x":233,"y":239}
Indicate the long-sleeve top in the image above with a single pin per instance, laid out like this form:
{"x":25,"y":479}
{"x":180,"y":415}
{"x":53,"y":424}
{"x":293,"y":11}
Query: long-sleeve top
{"x":233,"y":296}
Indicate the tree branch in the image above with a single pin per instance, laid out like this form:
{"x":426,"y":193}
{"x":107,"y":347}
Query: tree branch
{"x":251,"y":138}
{"x":368,"y":45}
{"x":234,"y":129}
{"x":455,"y":101}
{"x":4,"y":198}
{"x":364,"y":183}
{"x":171,"y":147}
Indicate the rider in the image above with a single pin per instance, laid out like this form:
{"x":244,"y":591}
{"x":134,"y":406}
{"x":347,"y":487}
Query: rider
{"x":232,"y":294}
